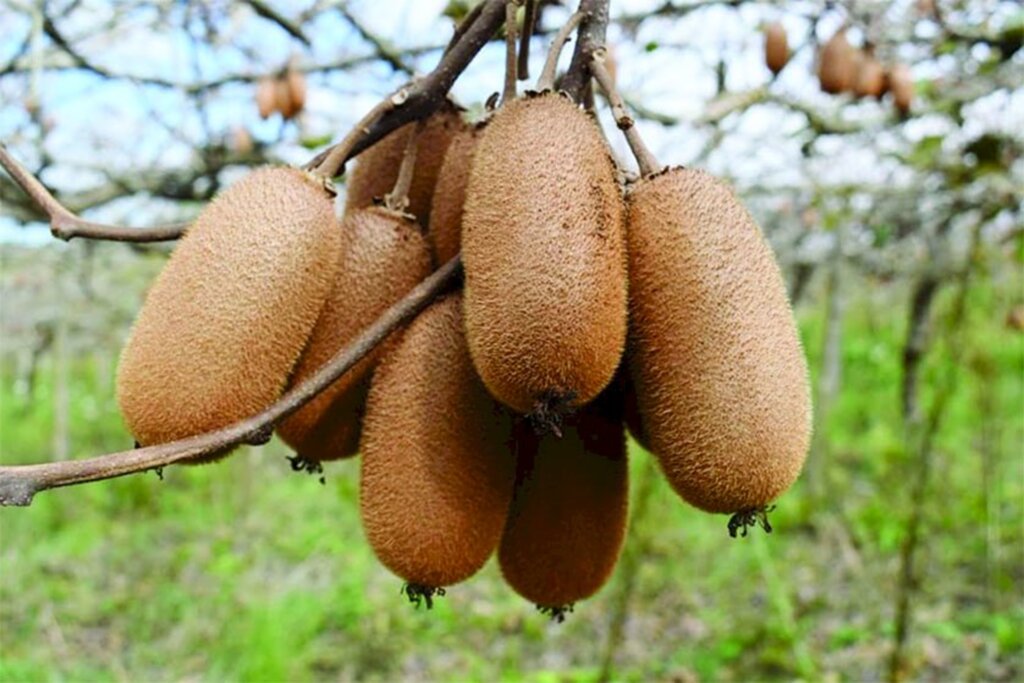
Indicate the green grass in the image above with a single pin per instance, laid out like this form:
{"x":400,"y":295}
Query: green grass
{"x":246,"y":571}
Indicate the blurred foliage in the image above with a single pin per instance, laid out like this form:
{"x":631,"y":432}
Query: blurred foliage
{"x":247,"y":571}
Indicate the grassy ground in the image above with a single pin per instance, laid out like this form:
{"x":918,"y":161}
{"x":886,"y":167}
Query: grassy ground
{"x":246,"y":571}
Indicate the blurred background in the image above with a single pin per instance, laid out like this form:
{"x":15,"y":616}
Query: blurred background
{"x":899,"y":553}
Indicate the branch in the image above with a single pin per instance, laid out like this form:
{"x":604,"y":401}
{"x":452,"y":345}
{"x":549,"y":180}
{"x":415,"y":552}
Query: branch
{"x":419,"y":98}
{"x":19,"y":483}
{"x":647,"y":162}
{"x":65,"y":225}
{"x":591,"y":37}
{"x":269,"y":13}
{"x":384,"y":51}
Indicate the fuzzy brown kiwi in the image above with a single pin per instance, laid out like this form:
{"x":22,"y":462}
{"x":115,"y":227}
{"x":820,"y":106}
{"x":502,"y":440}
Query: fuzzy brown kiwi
{"x":376,"y":169}
{"x":544,"y":255}
{"x":296,"y":81}
{"x":715,"y":357}
{"x":568,"y":517}
{"x":383,"y":256}
{"x":437,"y":470}
{"x":871,"y":79}
{"x":901,"y":84}
{"x":266,"y":97}
{"x":776,"y":47}
{"x":224,"y":323}
{"x":836,"y":64}
{"x":450,"y":195}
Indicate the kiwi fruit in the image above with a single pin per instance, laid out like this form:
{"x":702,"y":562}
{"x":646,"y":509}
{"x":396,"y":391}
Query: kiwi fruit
{"x":568,"y":518}
{"x":296,"y":82}
{"x":227,"y":318}
{"x":836,"y":64}
{"x":266,"y":97}
{"x":901,"y":84}
{"x":376,"y":169}
{"x":776,"y":47}
{"x":383,"y":256}
{"x":870,"y":80}
{"x":450,"y":195}
{"x":437,"y":469}
{"x":544,"y":253}
{"x":715,"y":357}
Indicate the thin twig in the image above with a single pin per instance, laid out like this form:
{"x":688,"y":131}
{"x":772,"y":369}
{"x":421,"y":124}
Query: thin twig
{"x":463,"y":26}
{"x":398,"y":198}
{"x":529,"y":18}
{"x":508,"y":93}
{"x":269,"y":13}
{"x":546,"y":81}
{"x":19,"y":483}
{"x":66,"y":225}
{"x":644,"y":158}
{"x":417,"y":99}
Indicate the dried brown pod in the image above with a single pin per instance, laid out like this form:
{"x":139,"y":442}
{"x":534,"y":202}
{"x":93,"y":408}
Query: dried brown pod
{"x":871,"y":79}
{"x":376,"y":169}
{"x":450,"y":195}
{"x":437,"y":470}
{"x":224,"y":323}
{"x":568,"y":517}
{"x":266,"y":97}
{"x":836,"y":64}
{"x":715,"y":357}
{"x":383,"y":256}
{"x":901,"y":85}
{"x":543,"y":249}
{"x":776,"y":47}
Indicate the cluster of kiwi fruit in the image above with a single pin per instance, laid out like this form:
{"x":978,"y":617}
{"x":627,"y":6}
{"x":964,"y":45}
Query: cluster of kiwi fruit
{"x":283,"y":93}
{"x":496,"y":421}
{"x":844,"y":68}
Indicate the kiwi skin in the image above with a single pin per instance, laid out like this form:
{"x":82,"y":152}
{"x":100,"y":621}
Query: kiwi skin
{"x":450,"y":195}
{"x":776,"y":47}
{"x":543,"y":248}
{"x":715,"y":357}
{"x":383,"y":256}
{"x":568,"y":518}
{"x":437,"y":469}
{"x":376,"y":169}
{"x":836,"y":67}
{"x":224,"y":323}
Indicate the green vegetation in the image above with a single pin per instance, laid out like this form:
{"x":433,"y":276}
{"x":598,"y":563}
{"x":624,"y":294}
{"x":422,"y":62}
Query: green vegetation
{"x":246,"y":571}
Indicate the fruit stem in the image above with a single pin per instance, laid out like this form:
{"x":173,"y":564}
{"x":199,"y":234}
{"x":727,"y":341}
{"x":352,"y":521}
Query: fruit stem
{"x":398,"y":198}
{"x":509,"y":91}
{"x":647,"y":162}
{"x":529,"y":18}
{"x":546,"y":81}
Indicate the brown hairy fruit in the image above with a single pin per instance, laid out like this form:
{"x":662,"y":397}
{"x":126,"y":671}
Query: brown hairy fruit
{"x":296,"y":82}
{"x":568,"y":517}
{"x":720,"y":375}
{"x":437,"y":472}
{"x":224,"y":323}
{"x":631,"y":411}
{"x":376,"y":169}
{"x":383,"y":256}
{"x":283,"y":96}
{"x":450,"y":195}
{"x":836,"y":64}
{"x":870,"y":80}
{"x":266,"y":97}
{"x":901,"y":84}
{"x":776,"y":47}
{"x":544,"y":255}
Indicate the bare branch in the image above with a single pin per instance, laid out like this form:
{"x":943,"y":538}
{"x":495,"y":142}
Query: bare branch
{"x":384,"y":51}
{"x":269,"y":13}
{"x":529,"y":19}
{"x":591,"y":37}
{"x":509,"y":90}
{"x":417,"y":99}
{"x":647,"y":162}
{"x":19,"y":483}
{"x":65,"y":225}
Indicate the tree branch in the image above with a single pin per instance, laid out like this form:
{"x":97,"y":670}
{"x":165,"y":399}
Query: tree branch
{"x":419,"y":98}
{"x":65,"y":225}
{"x":591,"y":37}
{"x":19,"y":483}
{"x":270,"y":14}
